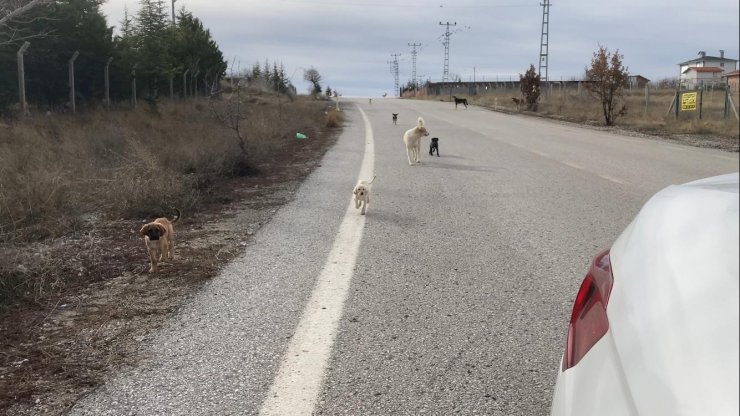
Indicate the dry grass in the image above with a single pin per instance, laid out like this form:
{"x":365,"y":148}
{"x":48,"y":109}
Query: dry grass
{"x":649,"y":116}
{"x":61,"y":174}
{"x":334,"y":118}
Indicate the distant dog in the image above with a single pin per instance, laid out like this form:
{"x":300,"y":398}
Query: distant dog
{"x":434,"y":145}
{"x":463,"y":101}
{"x":159,"y":238}
{"x":369,"y":100}
{"x":517,"y":101}
{"x":362,"y":194}
{"x":395,"y":118}
{"x":412,"y":140}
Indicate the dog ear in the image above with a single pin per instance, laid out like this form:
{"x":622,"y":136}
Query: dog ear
{"x":162,"y":228}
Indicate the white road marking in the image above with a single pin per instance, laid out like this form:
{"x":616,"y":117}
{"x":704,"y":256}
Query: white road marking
{"x":613,"y":179}
{"x":298,"y":382}
{"x":600,"y":175}
{"x":573,"y":165}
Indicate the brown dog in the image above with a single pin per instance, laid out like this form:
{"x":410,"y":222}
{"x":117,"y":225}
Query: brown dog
{"x":159,"y":237}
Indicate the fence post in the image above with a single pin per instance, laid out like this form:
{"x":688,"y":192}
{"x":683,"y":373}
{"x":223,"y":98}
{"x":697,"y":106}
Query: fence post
{"x":71,"y":72}
{"x":185,"y":83}
{"x":647,"y":98}
{"x":727,"y":104}
{"x":194,"y":81}
{"x":22,"y":77}
{"x":172,"y":84}
{"x":133,"y":85}
{"x":677,"y":101}
{"x":107,"y":82}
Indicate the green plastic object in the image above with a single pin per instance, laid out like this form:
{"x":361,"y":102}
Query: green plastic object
{"x":300,"y":136}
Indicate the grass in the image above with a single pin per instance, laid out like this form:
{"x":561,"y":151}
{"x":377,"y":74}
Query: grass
{"x":649,"y":115}
{"x":62,"y":173}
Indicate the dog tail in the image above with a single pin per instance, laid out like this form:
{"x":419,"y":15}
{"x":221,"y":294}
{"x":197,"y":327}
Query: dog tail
{"x":177,"y":216}
{"x":371,"y":182}
{"x":420,"y":122}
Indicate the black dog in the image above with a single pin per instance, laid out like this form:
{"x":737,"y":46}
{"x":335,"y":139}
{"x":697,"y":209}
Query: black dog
{"x":395,"y":118}
{"x":463,"y":101}
{"x":434,"y":145}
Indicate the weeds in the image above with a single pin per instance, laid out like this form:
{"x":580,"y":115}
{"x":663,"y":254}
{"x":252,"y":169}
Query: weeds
{"x":649,"y":114}
{"x":58,"y":171}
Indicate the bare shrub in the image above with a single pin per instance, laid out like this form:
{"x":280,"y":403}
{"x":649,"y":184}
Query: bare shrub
{"x":605,"y":79}
{"x":334,"y":118}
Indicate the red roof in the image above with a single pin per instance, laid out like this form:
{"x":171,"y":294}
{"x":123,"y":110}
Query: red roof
{"x":705,"y":69}
{"x":733,"y":73}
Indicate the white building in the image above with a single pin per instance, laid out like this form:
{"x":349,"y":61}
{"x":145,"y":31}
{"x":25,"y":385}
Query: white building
{"x":706,"y":70}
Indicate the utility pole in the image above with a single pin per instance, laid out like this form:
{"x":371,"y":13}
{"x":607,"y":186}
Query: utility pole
{"x":446,"y":70}
{"x":22,"y":77}
{"x":413,"y":65}
{"x":71,"y":72}
{"x":394,"y":70}
{"x":173,"y":12}
{"x":418,"y":81}
{"x":543,"y":43}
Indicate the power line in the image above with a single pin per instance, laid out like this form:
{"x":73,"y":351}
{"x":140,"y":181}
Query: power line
{"x":446,"y":42}
{"x":413,"y":64}
{"x":543,"y":42}
{"x":394,"y":69}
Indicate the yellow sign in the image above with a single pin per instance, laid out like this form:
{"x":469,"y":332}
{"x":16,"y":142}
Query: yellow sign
{"x":688,"y":101}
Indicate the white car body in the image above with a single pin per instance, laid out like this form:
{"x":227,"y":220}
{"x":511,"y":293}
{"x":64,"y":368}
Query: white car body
{"x":671,"y":347}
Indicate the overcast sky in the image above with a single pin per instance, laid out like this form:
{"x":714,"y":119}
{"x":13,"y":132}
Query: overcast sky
{"x":350,"y":42}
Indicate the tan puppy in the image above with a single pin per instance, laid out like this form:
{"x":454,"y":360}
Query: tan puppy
{"x":412,"y":139}
{"x":159,"y":237}
{"x":362,"y":194}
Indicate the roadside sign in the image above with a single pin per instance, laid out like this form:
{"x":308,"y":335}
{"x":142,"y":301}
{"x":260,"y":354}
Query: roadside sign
{"x":688,"y":101}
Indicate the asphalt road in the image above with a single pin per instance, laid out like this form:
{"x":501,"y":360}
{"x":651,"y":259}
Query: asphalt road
{"x":451,"y":296}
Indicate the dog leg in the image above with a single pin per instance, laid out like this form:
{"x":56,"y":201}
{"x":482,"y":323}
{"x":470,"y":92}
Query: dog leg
{"x":363,"y":208}
{"x":408,"y":155}
{"x":152,"y":262}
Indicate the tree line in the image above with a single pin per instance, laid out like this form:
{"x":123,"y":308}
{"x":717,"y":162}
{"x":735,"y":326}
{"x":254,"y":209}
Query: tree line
{"x":161,"y":56}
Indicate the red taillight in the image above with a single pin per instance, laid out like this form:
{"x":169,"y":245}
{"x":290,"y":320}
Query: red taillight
{"x":588,"y":322}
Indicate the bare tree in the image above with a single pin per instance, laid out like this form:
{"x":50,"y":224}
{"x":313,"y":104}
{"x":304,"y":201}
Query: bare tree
{"x":605,"y":79}
{"x":313,"y":76}
{"x":12,"y":17}
{"x":230,"y":113}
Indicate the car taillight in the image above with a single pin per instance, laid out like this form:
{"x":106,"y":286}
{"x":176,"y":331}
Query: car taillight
{"x":588,"y":322}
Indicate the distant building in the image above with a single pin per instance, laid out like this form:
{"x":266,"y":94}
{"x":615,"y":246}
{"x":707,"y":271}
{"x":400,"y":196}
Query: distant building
{"x":705,"y":70}
{"x":733,"y":80}
{"x":637,"y":81}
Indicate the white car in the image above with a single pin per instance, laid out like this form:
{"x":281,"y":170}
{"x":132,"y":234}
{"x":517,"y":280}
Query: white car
{"x":654,"y":327}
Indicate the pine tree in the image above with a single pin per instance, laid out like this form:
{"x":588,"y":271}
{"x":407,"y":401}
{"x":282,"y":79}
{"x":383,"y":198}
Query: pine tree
{"x":151,"y":41}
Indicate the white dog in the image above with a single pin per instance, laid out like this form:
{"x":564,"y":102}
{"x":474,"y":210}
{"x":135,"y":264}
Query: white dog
{"x":412,"y":139}
{"x":362,"y":194}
